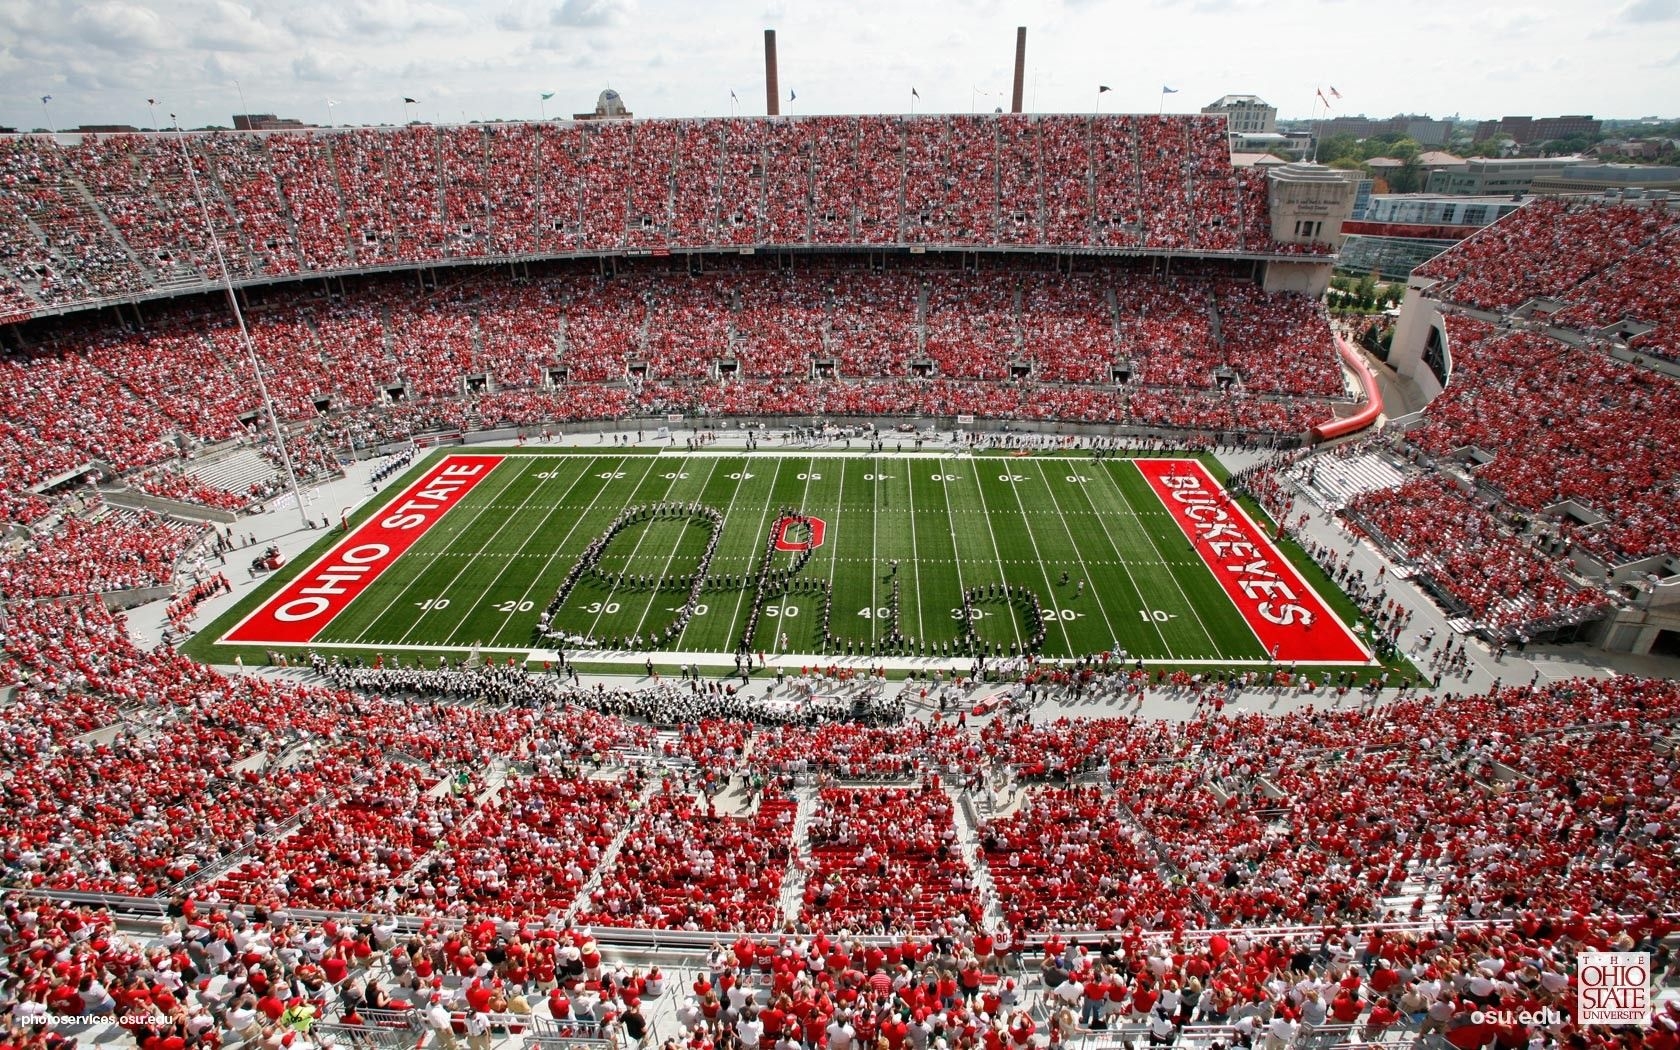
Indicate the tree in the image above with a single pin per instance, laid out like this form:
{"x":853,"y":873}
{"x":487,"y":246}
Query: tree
{"x":1337,"y":147}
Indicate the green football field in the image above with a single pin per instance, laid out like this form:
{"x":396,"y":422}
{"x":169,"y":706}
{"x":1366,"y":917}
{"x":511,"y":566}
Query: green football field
{"x":884,"y":550}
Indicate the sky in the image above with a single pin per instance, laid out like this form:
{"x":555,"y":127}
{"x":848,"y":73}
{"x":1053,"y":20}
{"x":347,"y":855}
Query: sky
{"x":100,"y":60}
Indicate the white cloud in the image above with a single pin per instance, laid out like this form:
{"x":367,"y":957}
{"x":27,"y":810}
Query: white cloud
{"x":121,"y":27}
{"x":590,"y":14}
{"x":1646,"y":11}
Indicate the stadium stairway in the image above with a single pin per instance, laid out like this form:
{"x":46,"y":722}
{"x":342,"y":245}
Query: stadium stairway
{"x":793,"y":883}
{"x":235,"y":470}
{"x":968,"y":840}
{"x":1418,"y":885}
{"x":1331,"y":481}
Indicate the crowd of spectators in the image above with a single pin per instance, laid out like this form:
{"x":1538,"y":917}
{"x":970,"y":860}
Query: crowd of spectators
{"x":1592,"y":264}
{"x":288,"y":202}
{"x":139,"y":772}
{"x":1562,"y":423}
{"x":734,"y":341}
{"x":1499,"y":577}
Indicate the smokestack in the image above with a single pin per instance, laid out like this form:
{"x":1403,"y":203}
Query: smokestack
{"x":1020,"y":67}
{"x":772,"y":93}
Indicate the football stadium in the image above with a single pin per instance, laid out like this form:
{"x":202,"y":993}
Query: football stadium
{"x":874,"y":582}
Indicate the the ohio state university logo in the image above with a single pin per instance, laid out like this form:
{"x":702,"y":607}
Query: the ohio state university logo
{"x":800,"y":534}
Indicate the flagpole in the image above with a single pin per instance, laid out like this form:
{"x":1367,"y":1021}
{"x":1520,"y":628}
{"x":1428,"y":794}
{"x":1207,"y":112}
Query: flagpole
{"x":239,"y":318}
{"x":46,"y":115}
{"x":542,"y":107}
{"x":151,"y":104}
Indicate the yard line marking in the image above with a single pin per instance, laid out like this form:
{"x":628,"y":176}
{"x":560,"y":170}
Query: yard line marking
{"x":666,"y":571}
{"x":915,"y":561}
{"x":1043,"y":569}
{"x":637,"y":549}
{"x":950,"y":516}
{"x":542,"y":529}
{"x":1090,"y":580}
{"x":875,"y":551}
{"x":986,"y":516}
{"x":727,"y":511}
{"x":753,"y":558}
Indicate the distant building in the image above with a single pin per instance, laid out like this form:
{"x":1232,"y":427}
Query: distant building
{"x":266,"y":122}
{"x":1400,"y":232}
{"x":1421,"y":129}
{"x":1293,"y":147}
{"x":1245,"y":115}
{"x":105,"y":129}
{"x":1598,"y":178}
{"x":608,"y":106}
{"x":1527,"y":130}
{"x":1495,"y":176}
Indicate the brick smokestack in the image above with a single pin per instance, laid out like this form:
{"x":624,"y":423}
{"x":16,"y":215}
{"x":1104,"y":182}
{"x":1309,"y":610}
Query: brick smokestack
{"x":1020,"y":67}
{"x":772,"y":93}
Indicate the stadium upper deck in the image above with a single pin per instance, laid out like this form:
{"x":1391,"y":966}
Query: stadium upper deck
{"x":115,"y":216}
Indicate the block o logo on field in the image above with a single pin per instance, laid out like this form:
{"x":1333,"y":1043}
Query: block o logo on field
{"x":789,"y":538}
{"x":1613,"y":988}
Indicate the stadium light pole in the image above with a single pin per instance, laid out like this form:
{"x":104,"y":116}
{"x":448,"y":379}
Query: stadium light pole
{"x":239,"y":318}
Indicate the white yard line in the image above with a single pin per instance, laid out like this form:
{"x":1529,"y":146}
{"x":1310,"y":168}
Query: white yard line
{"x":637,"y":549}
{"x":753,"y":561}
{"x":403,"y":591}
{"x":1090,"y":580}
{"x":915,"y":561}
{"x":666,"y":571}
{"x":1038,"y":556}
{"x":997,"y":554}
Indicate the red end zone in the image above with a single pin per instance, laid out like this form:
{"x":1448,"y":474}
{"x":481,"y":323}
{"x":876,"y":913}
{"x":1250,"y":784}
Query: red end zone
{"x":305,"y":606}
{"x":1289,"y":618}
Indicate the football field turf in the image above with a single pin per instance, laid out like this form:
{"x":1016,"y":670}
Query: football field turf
{"x":803,"y":553}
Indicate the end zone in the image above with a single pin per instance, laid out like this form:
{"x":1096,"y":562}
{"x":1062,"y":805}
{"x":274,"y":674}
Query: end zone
{"x":1292,"y":622}
{"x":303,"y":608}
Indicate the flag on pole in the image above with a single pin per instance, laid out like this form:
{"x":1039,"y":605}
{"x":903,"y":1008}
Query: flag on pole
{"x":45,"y":99}
{"x":915,"y":94}
{"x":1165,"y":90}
{"x":149,"y":102}
{"x":1334,"y":93}
{"x":1320,"y":93}
{"x":791,"y":95}
{"x":546,"y":95}
{"x":1103,"y":89}
{"x":732,"y":95}
{"x":410,"y":101}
